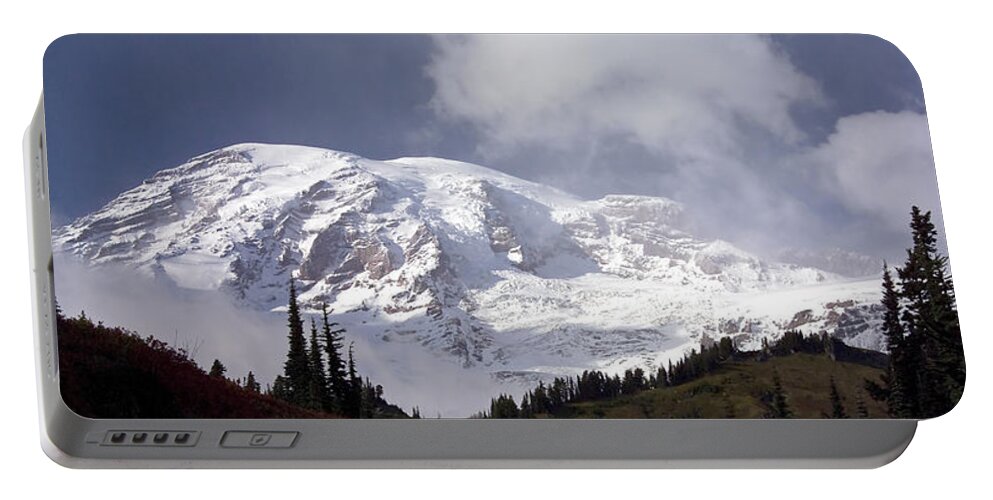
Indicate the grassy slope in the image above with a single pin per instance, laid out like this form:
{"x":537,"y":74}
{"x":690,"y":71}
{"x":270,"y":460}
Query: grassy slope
{"x":743,"y":386}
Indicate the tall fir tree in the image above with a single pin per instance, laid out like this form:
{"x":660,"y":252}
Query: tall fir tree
{"x":297,"y":366}
{"x":319,"y":397}
{"x":926,"y":372}
{"x":901,"y":377}
{"x":352,"y":404}
{"x":337,"y":377}
{"x":780,"y":406}
{"x":933,"y":345}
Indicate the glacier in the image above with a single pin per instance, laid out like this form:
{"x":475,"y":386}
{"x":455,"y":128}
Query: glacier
{"x":441,"y":266}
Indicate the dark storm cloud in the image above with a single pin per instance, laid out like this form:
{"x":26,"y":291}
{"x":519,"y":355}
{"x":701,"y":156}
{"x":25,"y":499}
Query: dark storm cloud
{"x":120,"y":108}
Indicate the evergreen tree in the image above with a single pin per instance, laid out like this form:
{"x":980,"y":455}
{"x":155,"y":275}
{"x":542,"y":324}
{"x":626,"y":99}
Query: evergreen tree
{"x":280,"y":388}
{"x":352,"y":403}
{"x":504,"y":406}
{"x":251,"y":384}
{"x":371,"y":402}
{"x":634,"y":381}
{"x":318,"y":394}
{"x":926,"y":372}
{"x":933,"y":344}
{"x":780,"y":407}
{"x":526,"y":411}
{"x":337,"y":377}
{"x":901,"y":378}
{"x":297,"y":366}
{"x":217,"y":369}
{"x":539,"y":399}
{"x":837,"y":406}
{"x":353,"y":374}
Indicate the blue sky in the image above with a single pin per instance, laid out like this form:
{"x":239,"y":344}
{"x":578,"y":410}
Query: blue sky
{"x":803,"y":140}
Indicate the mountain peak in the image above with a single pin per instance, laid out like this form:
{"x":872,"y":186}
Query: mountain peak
{"x":464,"y":261}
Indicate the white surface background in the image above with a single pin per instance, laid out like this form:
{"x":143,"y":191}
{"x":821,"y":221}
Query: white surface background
{"x":947,"y":41}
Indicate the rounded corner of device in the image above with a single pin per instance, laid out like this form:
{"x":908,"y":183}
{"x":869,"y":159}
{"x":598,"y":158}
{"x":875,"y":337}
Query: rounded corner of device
{"x":56,"y":426}
{"x":57,"y":454}
{"x":905,"y":436}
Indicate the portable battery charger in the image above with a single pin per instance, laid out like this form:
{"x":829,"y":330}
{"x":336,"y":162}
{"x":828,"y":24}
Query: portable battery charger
{"x":486,"y":251}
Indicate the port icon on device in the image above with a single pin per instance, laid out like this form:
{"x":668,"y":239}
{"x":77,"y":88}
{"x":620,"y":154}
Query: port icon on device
{"x":260,"y":439}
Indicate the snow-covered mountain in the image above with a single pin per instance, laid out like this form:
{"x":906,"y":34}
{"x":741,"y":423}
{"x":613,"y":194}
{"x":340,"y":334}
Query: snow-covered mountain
{"x":477,"y":267}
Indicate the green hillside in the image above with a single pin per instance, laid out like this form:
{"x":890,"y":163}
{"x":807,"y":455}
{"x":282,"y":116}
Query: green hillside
{"x":745,"y":389}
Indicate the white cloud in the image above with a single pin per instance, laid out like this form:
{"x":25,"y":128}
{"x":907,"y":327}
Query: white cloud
{"x":700,"y":106}
{"x":714,"y":114}
{"x":210,"y":325}
{"x":693,"y":97}
{"x":880,"y":164}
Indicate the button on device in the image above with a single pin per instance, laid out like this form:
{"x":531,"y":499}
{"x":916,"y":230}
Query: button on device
{"x":157,"y":438}
{"x":258,"y":439}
